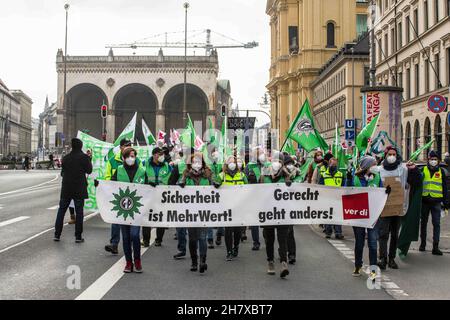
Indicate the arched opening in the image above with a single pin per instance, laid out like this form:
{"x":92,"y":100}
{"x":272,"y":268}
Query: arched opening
{"x":416,"y":135}
{"x":196,"y":106}
{"x":438,"y":135}
{"x":408,"y":141}
{"x":83,"y":106}
{"x":331,"y":35}
{"x":427,"y":134}
{"x":133,"y":98}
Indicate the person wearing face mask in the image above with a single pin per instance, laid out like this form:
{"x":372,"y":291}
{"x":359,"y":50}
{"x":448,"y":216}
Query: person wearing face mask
{"x":111,"y":166}
{"x":447,"y":160}
{"x":434,"y":189}
{"x":408,"y":175}
{"x":131,"y":172}
{"x":332,"y":177}
{"x":197,"y":174}
{"x":367,"y":176}
{"x":276,"y":173}
{"x":158,"y":173}
{"x":232,"y":176}
{"x":313,"y":175}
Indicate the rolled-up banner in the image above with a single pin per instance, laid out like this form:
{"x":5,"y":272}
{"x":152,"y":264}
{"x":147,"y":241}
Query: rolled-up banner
{"x":246,"y":205}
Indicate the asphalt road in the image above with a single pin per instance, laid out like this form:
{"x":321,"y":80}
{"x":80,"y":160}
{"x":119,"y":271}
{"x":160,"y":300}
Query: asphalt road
{"x":32,"y":266}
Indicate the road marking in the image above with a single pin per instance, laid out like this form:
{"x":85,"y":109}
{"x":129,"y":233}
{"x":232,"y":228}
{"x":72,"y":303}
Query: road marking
{"x":53,"y":208}
{"x":42,"y":188}
{"x":11,"y":221}
{"x":98,"y":289}
{"x":86,"y":218}
{"x":31,"y":187}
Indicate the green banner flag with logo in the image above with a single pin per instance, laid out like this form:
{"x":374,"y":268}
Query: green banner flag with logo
{"x":128,"y":132}
{"x":149,"y":137}
{"x":362,"y":139}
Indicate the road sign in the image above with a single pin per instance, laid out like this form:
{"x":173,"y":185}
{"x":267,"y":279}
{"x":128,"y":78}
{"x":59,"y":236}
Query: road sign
{"x":437,"y":103}
{"x":448,"y":118}
{"x":350,"y":124}
{"x":235,"y":123}
{"x":350,"y":135}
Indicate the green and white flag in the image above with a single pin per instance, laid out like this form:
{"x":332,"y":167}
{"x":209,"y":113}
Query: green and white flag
{"x":188,"y":136}
{"x":304,"y":132}
{"x":148,"y":135}
{"x":366,"y":134}
{"x":128,"y":132}
{"x":288,"y":147}
{"x":416,"y":153}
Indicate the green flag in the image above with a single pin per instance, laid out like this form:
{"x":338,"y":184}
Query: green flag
{"x":416,"y":153}
{"x":188,"y":135}
{"x":304,"y":168}
{"x":362,"y":140}
{"x":338,"y":151}
{"x":212,"y":133}
{"x":128,"y":132}
{"x":288,"y":147}
{"x":303,"y":130}
{"x":149,"y":138}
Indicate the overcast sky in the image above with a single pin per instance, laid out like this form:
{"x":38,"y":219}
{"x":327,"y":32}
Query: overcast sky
{"x":33,"y":30}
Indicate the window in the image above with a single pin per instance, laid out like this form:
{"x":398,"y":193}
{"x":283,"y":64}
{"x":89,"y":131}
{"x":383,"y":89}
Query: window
{"x":393,"y":49}
{"x":399,"y":36}
{"x":293,"y":39}
{"x":379,"y":51}
{"x":416,"y":71}
{"x":361,"y":24}
{"x":436,"y":11}
{"x":366,"y":76}
{"x":386,"y":46}
{"x":438,"y":71}
{"x":425,"y":13}
{"x":448,"y":66}
{"x":416,"y":24}
{"x":330,"y":35}
{"x":448,"y":7}
{"x":427,"y":76}
{"x":400,"y":80}
{"x":408,"y":84}
{"x":408,"y":30}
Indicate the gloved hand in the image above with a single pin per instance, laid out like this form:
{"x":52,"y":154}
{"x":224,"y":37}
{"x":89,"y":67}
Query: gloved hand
{"x":152,"y":184}
{"x":217,"y":185}
{"x":388,"y":190}
{"x":96,"y":183}
{"x":182,"y":184}
{"x":288,"y":183}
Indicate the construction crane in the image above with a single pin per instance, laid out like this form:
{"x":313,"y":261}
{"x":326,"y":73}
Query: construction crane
{"x":208,"y":46}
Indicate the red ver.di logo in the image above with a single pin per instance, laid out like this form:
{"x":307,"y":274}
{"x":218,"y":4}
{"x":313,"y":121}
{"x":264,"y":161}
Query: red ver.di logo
{"x":356,"y":206}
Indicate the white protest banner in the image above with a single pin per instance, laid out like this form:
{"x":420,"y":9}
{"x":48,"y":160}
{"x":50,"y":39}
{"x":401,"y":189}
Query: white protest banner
{"x":246,"y":205}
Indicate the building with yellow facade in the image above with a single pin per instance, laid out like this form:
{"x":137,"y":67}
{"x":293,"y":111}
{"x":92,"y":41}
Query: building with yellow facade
{"x":304,"y":35}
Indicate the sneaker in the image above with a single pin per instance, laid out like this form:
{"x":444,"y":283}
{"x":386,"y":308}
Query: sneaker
{"x":256,"y":247}
{"x":292,"y":261}
{"x":357,"y":272}
{"x":175,"y":237}
{"x":235,"y":252}
{"x":137,"y":266}
{"x":284,"y":270}
{"x":244,"y":238}
{"x":218,"y":240}
{"x":328,"y":236}
{"x":180,"y":255}
{"x":271,"y":268}
{"x":79,"y":240}
{"x":56,"y":238}
{"x":382,"y":264}
{"x":423,"y":244}
{"x":157,"y":243}
{"x":373,"y":275}
{"x":436,"y":252}
{"x":145,"y":244}
{"x":194,"y":267}
{"x":128,"y":267}
{"x":339,"y":237}
{"x":203,"y":267}
{"x":112,"y":248}
{"x":229,"y":256}
{"x":392,"y":264}
{"x":210,"y":244}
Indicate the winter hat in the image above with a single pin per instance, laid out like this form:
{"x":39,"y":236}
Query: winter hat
{"x":433,"y":154}
{"x":366,"y":162}
{"x":389,"y":148}
{"x":328,"y":156}
{"x":288,"y":160}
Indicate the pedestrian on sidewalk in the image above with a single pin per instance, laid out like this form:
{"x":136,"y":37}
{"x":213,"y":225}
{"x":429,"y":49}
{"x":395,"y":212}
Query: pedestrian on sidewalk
{"x":131,"y":171}
{"x":434,"y":199}
{"x":276,"y":173}
{"x":197,"y":174}
{"x":51,"y":162}
{"x":366,"y":176}
{"x":75,"y":166}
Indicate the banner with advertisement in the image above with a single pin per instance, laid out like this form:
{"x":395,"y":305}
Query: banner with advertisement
{"x":100,"y":150}
{"x":205,"y":206}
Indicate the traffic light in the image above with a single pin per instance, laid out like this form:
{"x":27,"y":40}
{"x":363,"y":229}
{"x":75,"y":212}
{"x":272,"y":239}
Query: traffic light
{"x":104,"y":111}
{"x":224,"y":111}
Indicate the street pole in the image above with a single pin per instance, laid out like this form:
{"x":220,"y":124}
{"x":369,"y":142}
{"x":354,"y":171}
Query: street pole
{"x":353,"y":83}
{"x":372,"y":46}
{"x":186,"y":6}
{"x":66,"y":7}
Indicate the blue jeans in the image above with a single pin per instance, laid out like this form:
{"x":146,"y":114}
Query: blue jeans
{"x":255,"y":235}
{"x":131,"y":242}
{"x":63,"y":206}
{"x":360,"y":239}
{"x":115,"y":234}
{"x":181,"y":236}
{"x":329,"y":229}
{"x":197,"y":239}
{"x":210,"y":235}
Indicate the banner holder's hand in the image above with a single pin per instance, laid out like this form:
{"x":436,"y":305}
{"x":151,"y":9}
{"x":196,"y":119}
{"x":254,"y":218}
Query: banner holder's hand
{"x":388,"y":190}
{"x":152,"y":184}
{"x":182,"y":184}
{"x":288,"y":183}
{"x":217,"y":185}
{"x":96,"y":183}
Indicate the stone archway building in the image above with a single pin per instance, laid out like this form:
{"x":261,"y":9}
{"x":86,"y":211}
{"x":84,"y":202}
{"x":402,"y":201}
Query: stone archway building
{"x":150,"y":85}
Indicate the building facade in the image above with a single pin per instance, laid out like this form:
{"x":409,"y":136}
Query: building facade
{"x":413,"y":52}
{"x":336,"y":91}
{"x":34,"y":136}
{"x":304,"y":35}
{"x":48,"y":128}
{"x":24,"y":123}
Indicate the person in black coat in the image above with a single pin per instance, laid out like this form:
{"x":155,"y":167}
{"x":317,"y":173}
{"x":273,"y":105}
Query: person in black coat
{"x":75,"y":166}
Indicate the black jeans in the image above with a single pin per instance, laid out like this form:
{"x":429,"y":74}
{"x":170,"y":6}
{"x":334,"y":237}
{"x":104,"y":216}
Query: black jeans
{"x":389,"y":226}
{"x":435,"y":209}
{"x":269,"y":237}
{"x":63,"y":206}
{"x":232,"y":237}
{"x":146,"y":233}
{"x":197,"y":240}
{"x":291,"y":247}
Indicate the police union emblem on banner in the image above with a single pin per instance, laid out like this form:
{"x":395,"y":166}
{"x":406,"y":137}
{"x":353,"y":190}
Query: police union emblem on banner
{"x":126,"y":203}
{"x":304,"y":126}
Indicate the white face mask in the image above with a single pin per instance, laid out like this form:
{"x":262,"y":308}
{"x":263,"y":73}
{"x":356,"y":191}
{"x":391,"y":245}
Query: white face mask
{"x":391,"y":159}
{"x":276,"y":166}
{"x":130,"y":161}
{"x":262,"y":158}
{"x":232,"y":166}
{"x":434,"y":163}
{"x":215,"y":155}
{"x":196,"y":166}
{"x":161,"y":159}
{"x":374,"y":170}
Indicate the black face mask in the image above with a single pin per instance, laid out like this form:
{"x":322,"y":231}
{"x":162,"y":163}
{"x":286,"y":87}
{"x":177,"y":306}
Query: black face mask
{"x":333,"y":169}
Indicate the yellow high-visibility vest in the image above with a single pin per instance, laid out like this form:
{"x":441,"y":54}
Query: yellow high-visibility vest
{"x":432,"y":185}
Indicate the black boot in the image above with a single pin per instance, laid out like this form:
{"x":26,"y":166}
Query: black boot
{"x":203,"y":265}
{"x":436,"y":250}
{"x":194,"y":266}
{"x":423,"y":244}
{"x":392,"y":264}
{"x":382,"y":263}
